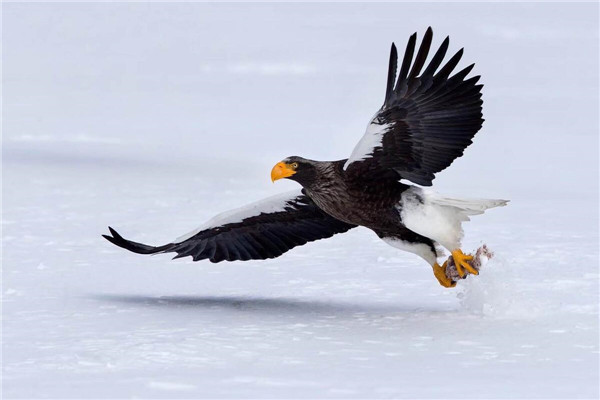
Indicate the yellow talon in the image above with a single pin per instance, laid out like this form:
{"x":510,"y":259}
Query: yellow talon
{"x":440,"y":274}
{"x":460,"y":260}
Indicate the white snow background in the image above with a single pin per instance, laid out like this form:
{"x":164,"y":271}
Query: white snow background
{"x":152,"y":118}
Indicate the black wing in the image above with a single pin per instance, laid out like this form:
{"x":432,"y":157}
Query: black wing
{"x":426,"y":121}
{"x":262,"y":230}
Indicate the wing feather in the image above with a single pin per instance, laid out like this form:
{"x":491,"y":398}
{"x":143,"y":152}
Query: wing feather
{"x":426,"y":123}
{"x":265,"y":229}
{"x":437,"y":58}
{"x":421,"y":54}
{"x":407,"y":60}
{"x":391,"y":72}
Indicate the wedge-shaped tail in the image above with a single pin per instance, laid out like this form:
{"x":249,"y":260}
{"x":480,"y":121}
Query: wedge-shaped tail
{"x":469,"y":206}
{"x":440,"y":217}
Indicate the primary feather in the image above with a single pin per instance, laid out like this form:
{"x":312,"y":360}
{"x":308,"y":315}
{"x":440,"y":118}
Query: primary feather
{"x":426,"y":121}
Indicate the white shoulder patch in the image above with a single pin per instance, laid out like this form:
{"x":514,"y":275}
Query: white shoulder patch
{"x":270,"y":205}
{"x":367,"y":144}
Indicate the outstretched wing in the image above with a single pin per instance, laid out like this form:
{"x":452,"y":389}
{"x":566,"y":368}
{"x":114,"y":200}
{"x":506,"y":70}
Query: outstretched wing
{"x":426,"y":121}
{"x":265,"y":229}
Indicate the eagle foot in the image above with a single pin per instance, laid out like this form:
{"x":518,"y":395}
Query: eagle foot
{"x":461,"y":261}
{"x":440,"y":274}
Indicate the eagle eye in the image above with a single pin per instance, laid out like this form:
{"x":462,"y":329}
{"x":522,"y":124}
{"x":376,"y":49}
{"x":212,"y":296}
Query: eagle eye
{"x":295,"y":165}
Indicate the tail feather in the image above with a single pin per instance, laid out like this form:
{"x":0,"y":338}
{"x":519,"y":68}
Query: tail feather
{"x":438,"y":217}
{"x":135,"y":247}
{"x":470,"y":206}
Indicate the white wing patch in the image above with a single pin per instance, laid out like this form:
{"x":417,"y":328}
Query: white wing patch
{"x":270,"y":205}
{"x":367,"y":144}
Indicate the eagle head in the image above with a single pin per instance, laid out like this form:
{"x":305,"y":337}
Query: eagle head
{"x":295,"y":168}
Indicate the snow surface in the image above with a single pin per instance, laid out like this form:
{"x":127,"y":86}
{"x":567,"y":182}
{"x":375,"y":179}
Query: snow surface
{"x":155,"y":117}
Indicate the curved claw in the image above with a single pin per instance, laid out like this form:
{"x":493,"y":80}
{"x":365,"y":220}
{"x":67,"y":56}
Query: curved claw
{"x":460,"y":260}
{"x":440,"y":274}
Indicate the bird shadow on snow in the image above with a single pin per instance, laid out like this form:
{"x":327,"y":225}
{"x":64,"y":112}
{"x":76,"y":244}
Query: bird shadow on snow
{"x":271,"y":305}
{"x":491,"y":294}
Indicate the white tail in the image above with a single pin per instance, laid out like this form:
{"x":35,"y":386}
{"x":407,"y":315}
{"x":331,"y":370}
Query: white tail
{"x":468,"y":206}
{"x":438,"y":217}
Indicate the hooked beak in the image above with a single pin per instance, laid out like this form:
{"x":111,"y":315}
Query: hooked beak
{"x":281,"y":170}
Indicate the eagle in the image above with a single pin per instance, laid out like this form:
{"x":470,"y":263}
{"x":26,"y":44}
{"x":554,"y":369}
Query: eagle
{"x":428,"y":118}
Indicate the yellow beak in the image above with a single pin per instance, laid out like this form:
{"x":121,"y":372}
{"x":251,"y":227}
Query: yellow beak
{"x":281,"y":170}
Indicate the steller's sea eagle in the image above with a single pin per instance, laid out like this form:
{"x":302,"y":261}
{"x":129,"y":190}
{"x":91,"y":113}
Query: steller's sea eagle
{"x":427,"y":120}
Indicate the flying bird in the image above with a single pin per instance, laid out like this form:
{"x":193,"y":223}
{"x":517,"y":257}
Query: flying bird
{"x":427,"y":120}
